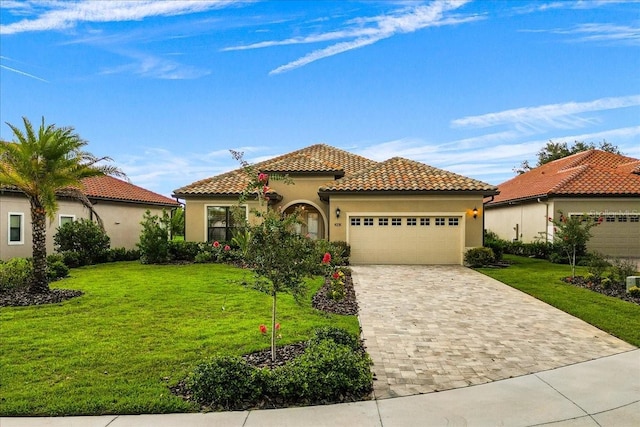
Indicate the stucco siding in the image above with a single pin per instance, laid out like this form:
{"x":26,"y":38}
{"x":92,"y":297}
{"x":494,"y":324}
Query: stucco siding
{"x":524,"y":222}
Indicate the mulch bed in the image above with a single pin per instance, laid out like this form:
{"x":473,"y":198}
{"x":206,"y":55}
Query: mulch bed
{"x":616,"y":291}
{"x":23,"y":298}
{"x":347,"y":306}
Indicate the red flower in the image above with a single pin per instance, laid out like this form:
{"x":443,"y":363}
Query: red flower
{"x":227,"y":247}
{"x":326,"y":259}
{"x":263,"y":329}
{"x":336,"y":275}
{"x":277,"y":326}
{"x":265,"y":189}
{"x":263,"y":177}
{"x":216,"y":244}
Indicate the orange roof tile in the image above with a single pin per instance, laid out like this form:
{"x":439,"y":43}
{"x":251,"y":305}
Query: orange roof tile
{"x":319,"y":158}
{"x":398,"y":174}
{"x":108,"y":187}
{"x":592,"y":172}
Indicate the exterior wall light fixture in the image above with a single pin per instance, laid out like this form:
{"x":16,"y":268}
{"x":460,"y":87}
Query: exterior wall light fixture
{"x":337,"y":212}
{"x":475,"y":213}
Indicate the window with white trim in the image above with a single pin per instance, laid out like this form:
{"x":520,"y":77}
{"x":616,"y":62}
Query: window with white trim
{"x":440,"y":222}
{"x":622,"y":218}
{"x":355,"y":221}
{"x":610,"y":218}
{"x":383,"y":221}
{"x":220,"y":223}
{"x":16,"y":228}
{"x":65,"y":219}
{"x":412,"y":221}
{"x":368,"y":222}
{"x":396,"y":222}
{"x":453,"y":222}
{"x":634,"y":218}
{"x":425,"y":222}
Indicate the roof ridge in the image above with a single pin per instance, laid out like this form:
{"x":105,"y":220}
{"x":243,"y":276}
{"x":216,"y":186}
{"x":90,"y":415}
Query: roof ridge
{"x":574,"y":173}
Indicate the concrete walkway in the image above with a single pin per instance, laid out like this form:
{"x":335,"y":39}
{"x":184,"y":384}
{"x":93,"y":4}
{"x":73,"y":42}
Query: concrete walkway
{"x":434,"y":328}
{"x":439,"y":328}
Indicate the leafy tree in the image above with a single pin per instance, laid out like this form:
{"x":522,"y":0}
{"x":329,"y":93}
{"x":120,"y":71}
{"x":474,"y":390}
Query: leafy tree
{"x":275,"y":251}
{"x":45,"y":164}
{"x":177,"y":222}
{"x":558,"y":150}
{"x":154,"y":238}
{"x":572,"y":233}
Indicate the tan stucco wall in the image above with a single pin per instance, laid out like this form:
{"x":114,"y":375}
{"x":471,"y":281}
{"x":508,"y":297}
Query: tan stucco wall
{"x":532,"y":219}
{"x":525,"y":222}
{"x":462,"y":205}
{"x":121,"y":221}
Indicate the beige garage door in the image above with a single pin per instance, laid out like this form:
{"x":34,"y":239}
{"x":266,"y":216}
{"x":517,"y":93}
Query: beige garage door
{"x":405,"y":239}
{"x":618,"y":235}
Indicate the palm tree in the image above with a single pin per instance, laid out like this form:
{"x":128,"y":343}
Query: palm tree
{"x":44,"y":166}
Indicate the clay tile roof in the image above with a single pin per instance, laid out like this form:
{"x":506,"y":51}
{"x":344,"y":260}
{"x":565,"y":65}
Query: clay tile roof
{"x":110,"y":188}
{"x":319,"y":158}
{"x":592,"y":172}
{"x":398,"y":174}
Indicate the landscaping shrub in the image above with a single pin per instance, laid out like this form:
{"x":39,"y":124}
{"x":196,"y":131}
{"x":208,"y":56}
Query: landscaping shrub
{"x":180,"y":250}
{"x":15,"y":273}
{"x":56,"y":268}
{"x":84,"y":237}
{"x":621,"y":269}
{"x":154,"y":238}
{"x":337,"y":335}
{"x":326,"y":372}
{"x":332,"y":368}
{"x":634,"y":291}
{"x":477,"y":257}
{"x":123,"y":254}
{"x":204,"y":257}
{"x":339,"y":251}
{"x":596,"y":264}
{"x":73,"y":259}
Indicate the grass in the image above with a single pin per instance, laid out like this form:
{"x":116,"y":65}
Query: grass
{"x":137,"y":330}
{"x":542,"y":280}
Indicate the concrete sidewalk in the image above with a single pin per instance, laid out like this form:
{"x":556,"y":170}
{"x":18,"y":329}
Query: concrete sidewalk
{"x":601,"y":392}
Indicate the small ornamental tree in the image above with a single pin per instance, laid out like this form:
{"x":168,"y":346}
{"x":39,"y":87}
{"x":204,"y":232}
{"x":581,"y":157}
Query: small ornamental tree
{"x":275,"y":251}
{"x":572,"y":233}
{"x":154,"y":238}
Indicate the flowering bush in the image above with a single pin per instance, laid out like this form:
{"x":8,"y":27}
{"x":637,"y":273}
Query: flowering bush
{"x":572,"y":233}
{"x":336,"y":285}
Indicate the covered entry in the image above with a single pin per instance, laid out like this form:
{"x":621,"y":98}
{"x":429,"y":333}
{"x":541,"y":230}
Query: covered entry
{"x":406,"y":239}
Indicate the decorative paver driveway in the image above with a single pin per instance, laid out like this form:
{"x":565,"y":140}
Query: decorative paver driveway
{"x":430,"y":328}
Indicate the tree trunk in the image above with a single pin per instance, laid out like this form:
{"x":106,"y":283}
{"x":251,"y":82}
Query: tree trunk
{"x":273,"y":329}
{"x":39,"y":281}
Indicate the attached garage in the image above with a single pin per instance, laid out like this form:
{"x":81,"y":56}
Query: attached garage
{"x":406,"y":239}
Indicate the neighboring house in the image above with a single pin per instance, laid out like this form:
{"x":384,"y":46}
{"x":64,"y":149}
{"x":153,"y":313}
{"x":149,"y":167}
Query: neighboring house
{"x":394,"y":212}
{"x":593,"y":182}
{"x":121,"y":206}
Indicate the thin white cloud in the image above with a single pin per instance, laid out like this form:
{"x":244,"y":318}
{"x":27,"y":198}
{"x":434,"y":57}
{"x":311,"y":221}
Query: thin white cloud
{"x":64,"y":15}
{"x":552,"y":115}
{"x":13,"y":70}
{"x":152,"y":66}
{"x":603,"y":32}
{"x":366,"y":31}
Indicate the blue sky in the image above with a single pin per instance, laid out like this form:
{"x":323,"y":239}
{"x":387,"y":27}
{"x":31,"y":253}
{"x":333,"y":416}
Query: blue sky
{"x":166,"y":88}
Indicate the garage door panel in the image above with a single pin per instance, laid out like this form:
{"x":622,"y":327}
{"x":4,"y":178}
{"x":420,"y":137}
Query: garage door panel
{"x":405,"y":240}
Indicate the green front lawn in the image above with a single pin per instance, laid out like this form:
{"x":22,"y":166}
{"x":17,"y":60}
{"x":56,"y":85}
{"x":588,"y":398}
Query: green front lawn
{"x":542,"y":280}
{"x":137,"y":330}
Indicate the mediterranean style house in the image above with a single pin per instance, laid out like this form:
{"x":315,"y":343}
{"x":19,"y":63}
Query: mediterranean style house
{"x":594,"y":182}
{"x":121,"y":206}
{"x":394,"y":212}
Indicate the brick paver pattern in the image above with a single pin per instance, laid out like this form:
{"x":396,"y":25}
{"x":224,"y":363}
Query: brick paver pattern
{"x":433,"y":328}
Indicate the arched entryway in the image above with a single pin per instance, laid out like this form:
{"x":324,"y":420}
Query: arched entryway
{"x":313,"y":225}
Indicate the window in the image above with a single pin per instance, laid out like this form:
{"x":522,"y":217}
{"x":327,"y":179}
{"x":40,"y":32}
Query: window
{"x":16,"y":228}
{"x":64,"y":219}
{"x":396,"y":222}
{"x":220,"y":223}
{"x":368,"y":222}
{"x":610,"y":218}
{"x":634,"y":218}
{"x":453,"y":222}
{"x":424,"y":222}
{"x":355,"y":221}
{"x":440,"y":222}
{"x":383,"y":221}
{"x":622,"y":218}
{"x":412,"y":221}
